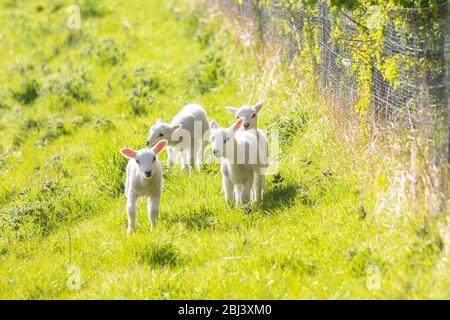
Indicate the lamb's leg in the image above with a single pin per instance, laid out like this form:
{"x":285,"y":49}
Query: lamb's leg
{"x":237,"y":193}
{"x":246,"y":189}
{"x":185,"y":161}
{"x":258,"y":186}
{"x":263,"y":185}
{"x":131,"y":212}
{"x":172,"y":156}
{"x":192,"y":157}
{"x":153,"y":209}
{"x":200,"y":154}
{"x":228,"y":189}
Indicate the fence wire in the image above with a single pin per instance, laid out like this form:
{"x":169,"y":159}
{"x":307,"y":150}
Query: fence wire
{"x":419,"y":45}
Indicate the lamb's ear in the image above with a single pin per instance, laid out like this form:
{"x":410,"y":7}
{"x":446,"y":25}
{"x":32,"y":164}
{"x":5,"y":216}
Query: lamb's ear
{"x":232,"y":110}
{"x":159,"y":146}
{"x":214,"y":125}
{"x":159,"y":121}
{"x":258,"y":106}
{"x":237,"y":125}
{"x":128,"y":153}
{"x":175,"y":127}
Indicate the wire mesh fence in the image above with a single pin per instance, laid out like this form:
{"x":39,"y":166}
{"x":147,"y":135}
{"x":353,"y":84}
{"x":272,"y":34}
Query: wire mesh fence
{"x":415,"y":42}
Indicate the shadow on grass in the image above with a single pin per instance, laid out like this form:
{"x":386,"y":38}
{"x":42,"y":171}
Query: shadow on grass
{"x":160,"y":255}
{"x":279,"y":196}
{"x":197,"y":218}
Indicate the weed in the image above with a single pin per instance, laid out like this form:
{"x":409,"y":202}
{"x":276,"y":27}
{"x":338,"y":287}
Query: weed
{"x":144,"y":84}
{"x":159,"y":255}
{"x":109,"y":53}
{"x":27,"y":93}
{"x":208,"y":73}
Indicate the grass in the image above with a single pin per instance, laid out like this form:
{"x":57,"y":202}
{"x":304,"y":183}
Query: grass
{"x":334,"y":211}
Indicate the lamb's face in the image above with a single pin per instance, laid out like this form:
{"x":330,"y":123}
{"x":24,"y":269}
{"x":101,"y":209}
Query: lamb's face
{"x":146,"y":161}
{"x":145,"y":158}
{"x":222,"y":139}
{"x":219,"y":139}
{"x":250,"y":116}
{"x":158,"y":132}
{"x":248,"y":113}
{"x":161,"y":131}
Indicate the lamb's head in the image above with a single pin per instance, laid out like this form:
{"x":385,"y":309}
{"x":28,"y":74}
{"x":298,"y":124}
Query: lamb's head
{"x":161,"y":131}
{"x":222,"y":139}
{"x":248,"y":113}
{"x":145,"y":158}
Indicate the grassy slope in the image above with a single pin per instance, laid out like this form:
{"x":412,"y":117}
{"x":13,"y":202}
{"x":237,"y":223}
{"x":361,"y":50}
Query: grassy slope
{"x":314,"y":236}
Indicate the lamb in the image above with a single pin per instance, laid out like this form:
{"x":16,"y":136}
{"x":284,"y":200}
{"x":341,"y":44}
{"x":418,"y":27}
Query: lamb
{"x":248,"y":113}
{"x":190,"y":141}
{"x":241,"y":170}
{"x":144,"y":179}
{"x":250,"y":116}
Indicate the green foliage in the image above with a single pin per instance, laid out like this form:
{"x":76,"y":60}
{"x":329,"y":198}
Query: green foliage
{"x":92,"y":9}
{"x":74,"y":85}
{"x":27,"y":92}
{"x":145,"y":83}
{"x":159,"y":255}
{"x":366,"y":45}
{"x":290,"y":125}
{"x":108,"y":52}
{"x":209,"y":72}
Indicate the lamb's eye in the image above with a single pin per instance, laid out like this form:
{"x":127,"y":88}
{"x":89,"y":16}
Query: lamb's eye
{"x":154,"y":159}
{"x":138,"y":162}
{"x":253,"y":115}
{"x":161,"y":135}
{"x":237,"y":118}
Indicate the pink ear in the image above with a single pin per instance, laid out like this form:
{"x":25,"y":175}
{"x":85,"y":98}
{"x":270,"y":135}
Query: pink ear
{"x":159,"y":146}
{"x":238,"y":124}
{"x":175,"y":127}
{"x":128,"y":153}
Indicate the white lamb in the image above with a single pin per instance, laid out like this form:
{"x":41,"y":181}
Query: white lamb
{"x":240,"y":168}
{"x":144,"y":179}
{"x":250,"y":116}
{"x":190,"y":140}
{"x":248,"y":113}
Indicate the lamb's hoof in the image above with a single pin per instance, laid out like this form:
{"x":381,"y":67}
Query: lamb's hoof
{"x":130,"y":231}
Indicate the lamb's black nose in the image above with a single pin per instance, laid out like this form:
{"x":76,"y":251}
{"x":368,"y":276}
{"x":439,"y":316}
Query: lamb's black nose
{"x":246,"y":125}
{"x":148,"y":173}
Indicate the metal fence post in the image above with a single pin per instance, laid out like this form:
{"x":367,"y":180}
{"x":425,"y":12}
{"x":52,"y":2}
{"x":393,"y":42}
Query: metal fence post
{"x":447,"y":80}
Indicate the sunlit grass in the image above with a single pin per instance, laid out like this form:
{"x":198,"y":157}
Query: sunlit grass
{"x":315,"y":235}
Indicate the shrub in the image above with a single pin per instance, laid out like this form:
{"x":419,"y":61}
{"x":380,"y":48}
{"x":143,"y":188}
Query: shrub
{"x":289,"y":125}
{"x":76,"y":85}
{"x":209,"y":71}
{"x":109,"y":53}
{"x":27,"y":93}
{"x":54,"y":129}
{"x":104,"y":124}
{"x":92,"y":9}
{"x":144,"y":83}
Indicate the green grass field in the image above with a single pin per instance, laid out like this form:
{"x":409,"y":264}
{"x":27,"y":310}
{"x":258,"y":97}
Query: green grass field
{"x":335,"y":223}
